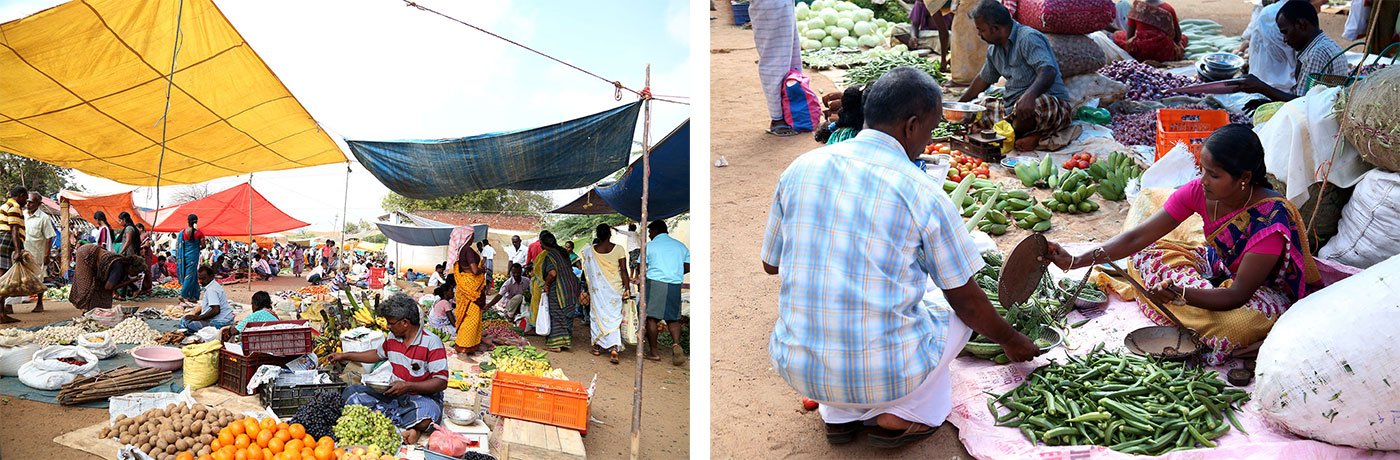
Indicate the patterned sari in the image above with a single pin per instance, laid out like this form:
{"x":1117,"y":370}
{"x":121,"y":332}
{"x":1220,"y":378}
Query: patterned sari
{"x":1157,"y":33}
{"x":562,"y":296}
{"x":1209,"y":267}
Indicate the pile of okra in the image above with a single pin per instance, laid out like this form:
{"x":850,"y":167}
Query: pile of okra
{"x":1128,"y":403}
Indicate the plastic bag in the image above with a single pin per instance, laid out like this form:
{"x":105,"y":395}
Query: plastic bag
{"x":106,"y":316}
{"x":1173,"y":170}
{"x":46,"y":372}
{"x":1005,"y":129}
{"x":444,"y":441}
{"x":99,"y":343}
{"x":12,"y":358}
{"x":802,"y":108}
{"x":25,"y":277}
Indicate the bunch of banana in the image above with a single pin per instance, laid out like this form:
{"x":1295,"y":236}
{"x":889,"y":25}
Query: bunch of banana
{"x":1113,"y":175}
{"x":515,"y":364}
{"x":1073,"y":194}
{"x":364,"y":317}
{"x":1035,"y":173}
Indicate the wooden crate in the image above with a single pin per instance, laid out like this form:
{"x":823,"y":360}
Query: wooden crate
{"x":529,"y":440}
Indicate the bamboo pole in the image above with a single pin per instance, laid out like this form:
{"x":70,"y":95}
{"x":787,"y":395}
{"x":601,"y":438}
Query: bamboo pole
{"x":65,"y":247}
{"x":642,"y":268}
{"x":250,"y":232}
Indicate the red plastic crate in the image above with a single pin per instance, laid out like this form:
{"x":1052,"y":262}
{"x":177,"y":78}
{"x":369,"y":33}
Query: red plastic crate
{"x":284,"y":342}
{"x":561,"y":403}
{"x":1189,"y":126}
{"x":236,"y":370}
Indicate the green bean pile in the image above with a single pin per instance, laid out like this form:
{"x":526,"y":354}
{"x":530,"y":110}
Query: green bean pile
{"x":877,"y":67}
{"x":1128,"y":403}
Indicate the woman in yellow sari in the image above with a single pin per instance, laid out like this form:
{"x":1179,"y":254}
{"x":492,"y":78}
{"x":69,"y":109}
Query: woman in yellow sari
{"x":470,"y":279}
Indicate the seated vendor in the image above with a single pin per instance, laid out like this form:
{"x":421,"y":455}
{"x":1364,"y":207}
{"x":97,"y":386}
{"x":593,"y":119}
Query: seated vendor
{"x":214,"y":307}
{"x":1035,"y":92}
{"x":1255,"y":263}
{"x":1153,"y":32}
{"x":261,"y":268}
{"x":1297,"y":20}
{"x":414,"y":401}
{"x":262,"y":311}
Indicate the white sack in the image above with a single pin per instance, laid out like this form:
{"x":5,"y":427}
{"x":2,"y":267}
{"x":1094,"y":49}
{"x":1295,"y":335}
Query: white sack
{"x":11,"y":358}
{"x":1370,"y":222}
{"x":1300,"y":137}
{"x":46,"y":372}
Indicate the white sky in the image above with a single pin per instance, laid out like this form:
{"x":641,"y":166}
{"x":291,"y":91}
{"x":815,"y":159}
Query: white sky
{"x":380,"y":70}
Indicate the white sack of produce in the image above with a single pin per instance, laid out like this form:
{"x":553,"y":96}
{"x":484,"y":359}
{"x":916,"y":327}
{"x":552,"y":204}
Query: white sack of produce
{"x":48,"y":371}
{"x":1329,"y":369}
{"x":99,"y":343}
{"x":1367,"y":233}
{"x":1300,"y":138}
{"x":11,"y":358}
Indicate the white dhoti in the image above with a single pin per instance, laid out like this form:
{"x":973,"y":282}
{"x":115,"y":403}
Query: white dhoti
{"x":928,"y":404}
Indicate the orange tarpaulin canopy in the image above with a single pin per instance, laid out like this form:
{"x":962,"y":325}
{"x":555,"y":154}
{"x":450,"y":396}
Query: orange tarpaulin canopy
{"x":111,"y":205}
{"x":83,"y":85}
{"x":225,"y":214}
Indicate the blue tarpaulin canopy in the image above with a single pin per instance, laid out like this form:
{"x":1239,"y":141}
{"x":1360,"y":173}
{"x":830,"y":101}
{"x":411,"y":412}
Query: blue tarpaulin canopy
{"x":669,"y":194}
{"x":421,"y":232}
{"x":566,"y":155}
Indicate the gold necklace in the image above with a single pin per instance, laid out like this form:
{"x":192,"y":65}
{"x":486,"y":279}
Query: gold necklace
{"x":1216,"y":207}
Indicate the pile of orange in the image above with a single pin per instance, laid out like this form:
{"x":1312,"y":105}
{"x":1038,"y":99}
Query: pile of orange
{"x":268,"y":439}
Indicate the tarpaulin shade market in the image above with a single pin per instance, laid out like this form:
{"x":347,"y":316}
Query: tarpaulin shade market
{"x":84,"y":87}
{"x":226,"y":214}
{"x":668,"y":196}
{"x":421,"y":232}
{"x":565,"y":155}
{"x":110,"y":205}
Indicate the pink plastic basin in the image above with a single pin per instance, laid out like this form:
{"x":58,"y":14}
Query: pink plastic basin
{"x":164,"y":358}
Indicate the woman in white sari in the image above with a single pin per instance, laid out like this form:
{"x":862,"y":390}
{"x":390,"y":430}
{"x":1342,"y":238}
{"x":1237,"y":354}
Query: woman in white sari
{"x":605,"y":266}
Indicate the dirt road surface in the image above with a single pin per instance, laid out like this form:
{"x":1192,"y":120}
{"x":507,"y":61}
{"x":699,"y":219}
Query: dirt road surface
{"x":29,"y":427}
{"x":754,"y":413}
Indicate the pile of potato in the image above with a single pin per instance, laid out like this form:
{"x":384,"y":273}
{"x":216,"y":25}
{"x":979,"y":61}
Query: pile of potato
{"x":162,"y":433}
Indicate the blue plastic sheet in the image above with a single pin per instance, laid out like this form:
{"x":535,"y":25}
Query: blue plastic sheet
{"x":566,"y":155}
{"x":669,"y":194}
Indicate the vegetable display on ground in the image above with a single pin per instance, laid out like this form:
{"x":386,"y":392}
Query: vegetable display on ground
{"x":1128,"y":403}
{"x":360,"y":426}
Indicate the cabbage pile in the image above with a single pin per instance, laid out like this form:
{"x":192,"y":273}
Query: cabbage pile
{"x":833,"y":23}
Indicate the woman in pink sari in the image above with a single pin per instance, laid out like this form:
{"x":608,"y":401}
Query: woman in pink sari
{"x":1154,"y":33}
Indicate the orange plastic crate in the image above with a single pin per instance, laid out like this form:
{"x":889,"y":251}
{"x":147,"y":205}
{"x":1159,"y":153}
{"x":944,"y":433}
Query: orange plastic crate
{"x":1189,"y":126}
{"x":561,"y":403}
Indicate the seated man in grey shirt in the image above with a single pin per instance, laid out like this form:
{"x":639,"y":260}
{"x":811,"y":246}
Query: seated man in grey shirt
{"x":1035,"y":91}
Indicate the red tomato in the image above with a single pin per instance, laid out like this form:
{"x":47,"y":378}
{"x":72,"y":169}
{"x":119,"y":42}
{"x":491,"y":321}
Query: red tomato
{"x":1069,"y":164}
{"x":1083,"y":164}
{"x":809,"y":404}
{"x":957,"y":153}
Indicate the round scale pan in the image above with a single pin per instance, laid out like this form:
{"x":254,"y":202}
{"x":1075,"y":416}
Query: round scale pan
{"x":1023,"y":269}
{"x":1164,"y":342}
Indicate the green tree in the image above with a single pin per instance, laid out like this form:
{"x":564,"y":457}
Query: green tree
{"x":35,"y":175}
{"x":357,"y":227}
{"x":376,"y":238}
{"x":490,"y":201}
{"x":577,"y":226}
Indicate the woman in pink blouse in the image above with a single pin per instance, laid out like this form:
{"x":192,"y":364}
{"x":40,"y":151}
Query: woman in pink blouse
{"x":1254,"y":265}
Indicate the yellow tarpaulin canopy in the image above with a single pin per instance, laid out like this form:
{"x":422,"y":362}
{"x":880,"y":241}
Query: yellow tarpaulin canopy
{"x":83,"y":85}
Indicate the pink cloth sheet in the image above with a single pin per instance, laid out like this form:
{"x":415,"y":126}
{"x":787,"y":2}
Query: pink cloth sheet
{"x":973,"y":378}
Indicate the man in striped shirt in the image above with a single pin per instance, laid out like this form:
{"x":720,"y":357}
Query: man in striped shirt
{"x":418,"y":362}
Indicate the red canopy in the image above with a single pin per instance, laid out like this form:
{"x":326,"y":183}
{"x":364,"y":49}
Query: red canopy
{"x":111,"y":205}
{"x":226,"y":214}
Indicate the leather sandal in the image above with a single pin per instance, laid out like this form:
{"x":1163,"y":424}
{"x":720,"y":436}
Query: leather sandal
{"x":843,"y":433}
{"x":889,"y":439}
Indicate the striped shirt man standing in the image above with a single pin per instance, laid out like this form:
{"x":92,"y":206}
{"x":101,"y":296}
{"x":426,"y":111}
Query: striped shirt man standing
{"x":418,"y":362}
{"x":856,"y":232}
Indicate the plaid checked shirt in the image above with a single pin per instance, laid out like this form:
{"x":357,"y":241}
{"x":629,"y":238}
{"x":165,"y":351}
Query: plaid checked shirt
{"x":857,"y":231}
{"x":1317,"y":58}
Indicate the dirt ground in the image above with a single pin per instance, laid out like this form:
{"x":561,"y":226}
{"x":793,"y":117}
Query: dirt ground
{"x":753,"y":412}
{"x":29,"y":427}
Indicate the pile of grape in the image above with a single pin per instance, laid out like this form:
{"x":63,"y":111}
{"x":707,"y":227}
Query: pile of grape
{"x":360,"y":426}
{"x":318,"y":415}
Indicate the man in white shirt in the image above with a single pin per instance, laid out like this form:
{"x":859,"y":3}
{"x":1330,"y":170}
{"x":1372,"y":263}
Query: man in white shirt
{"x":38,"y":237}
{"x":634,"y":247}
{"x":437,"y":279}
{"x":488,"y":255}
{"x":214,"y":308}
{"x":517,"y":252}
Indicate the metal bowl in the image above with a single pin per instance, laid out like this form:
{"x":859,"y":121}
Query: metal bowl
{"x":461,"y":415}
{"x":1227,"y":62}
{"x":1164,"y":342}
{"x":962,"y":112}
